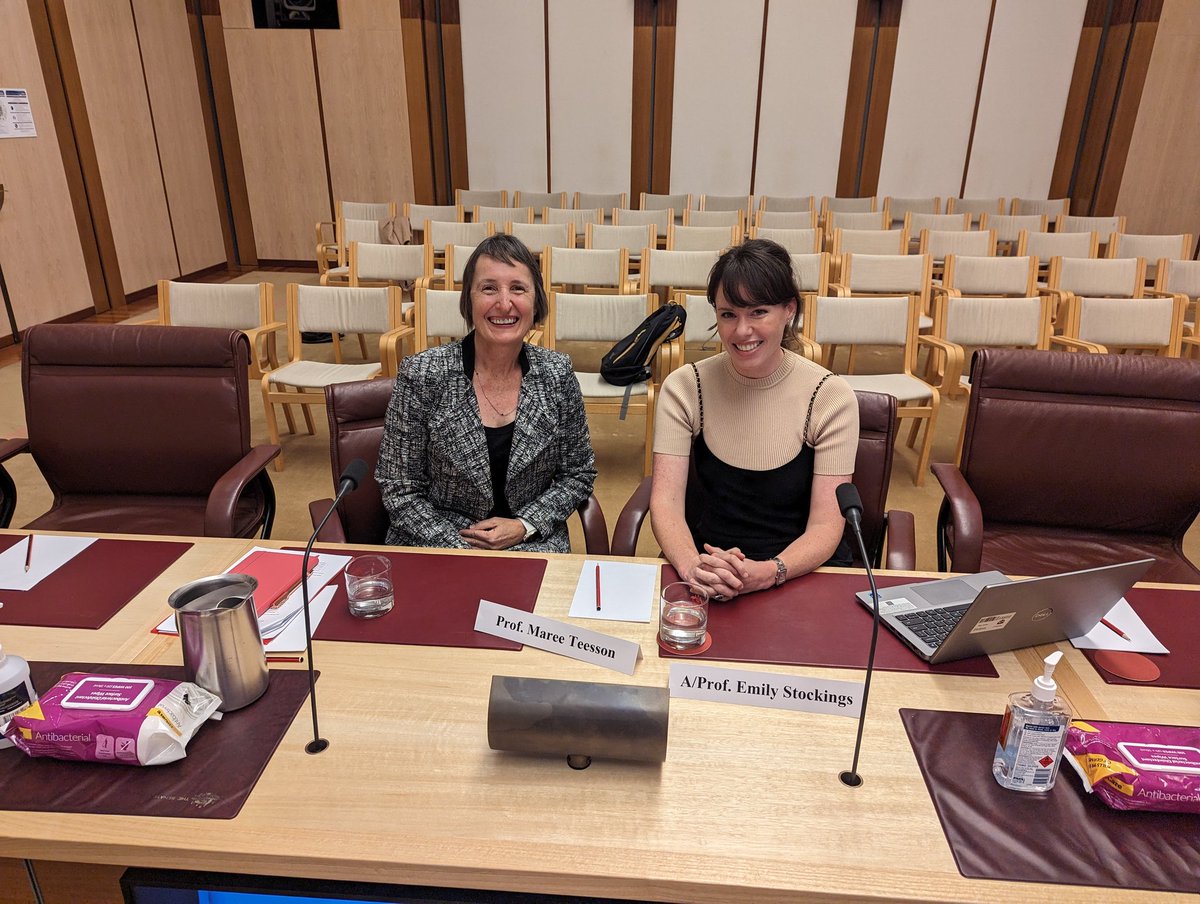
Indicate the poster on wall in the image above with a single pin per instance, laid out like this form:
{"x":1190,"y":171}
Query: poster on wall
{"x":295,"y":13}
{"x":16,"y":119}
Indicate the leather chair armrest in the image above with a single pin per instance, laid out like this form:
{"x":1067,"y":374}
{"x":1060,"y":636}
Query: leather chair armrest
{"x":333,"y":530}
{"x":595,"y":528}
{"x":222,"y":501}
{"x":901,"y":540}
{"x":629,"y":522}
{"x":14,"y":446}
{"x":962,"y":511}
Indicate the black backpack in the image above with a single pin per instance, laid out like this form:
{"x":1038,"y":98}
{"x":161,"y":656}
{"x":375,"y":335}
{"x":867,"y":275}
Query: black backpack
{"x":629,"y":361}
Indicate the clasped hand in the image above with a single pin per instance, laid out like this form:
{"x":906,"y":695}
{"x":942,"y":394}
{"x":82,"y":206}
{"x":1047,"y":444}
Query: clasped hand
{"x":727,"y":572}
{"x":494,"y":533}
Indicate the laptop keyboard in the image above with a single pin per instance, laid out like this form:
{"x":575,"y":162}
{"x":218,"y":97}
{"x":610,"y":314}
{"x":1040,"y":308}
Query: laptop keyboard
{"x":933,"y":625}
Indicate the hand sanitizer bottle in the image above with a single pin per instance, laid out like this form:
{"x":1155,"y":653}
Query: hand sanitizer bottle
{"x":16,"y":690}
{"x":1032,"y":735}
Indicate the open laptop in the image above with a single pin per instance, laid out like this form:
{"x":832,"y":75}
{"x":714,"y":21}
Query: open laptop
{"x":988,"y":613}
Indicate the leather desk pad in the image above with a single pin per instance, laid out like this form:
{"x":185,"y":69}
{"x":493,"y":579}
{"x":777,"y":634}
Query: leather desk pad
{"x":1174,"y":617}
{"x":222,"y":766}
{"x":437,"y":598}
{"x":1064,"y":836}
{"x":814,"y":621}
{"x":91,"y":588}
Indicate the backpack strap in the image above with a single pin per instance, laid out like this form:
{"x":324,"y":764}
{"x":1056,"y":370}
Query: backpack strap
{"x":811,"y":402}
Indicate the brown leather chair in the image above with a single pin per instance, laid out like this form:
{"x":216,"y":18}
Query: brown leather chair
{"x":872,"y":475}
{"x":143,"y":430}
{"x":1071,"y":461}
{"x":356,"y":413}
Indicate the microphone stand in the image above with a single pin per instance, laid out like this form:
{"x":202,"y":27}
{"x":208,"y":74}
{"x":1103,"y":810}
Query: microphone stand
{"x":347,"y":483}
{"x":853,"y":513}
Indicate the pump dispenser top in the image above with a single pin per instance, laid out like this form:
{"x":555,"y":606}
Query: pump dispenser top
{"x":1044,"y":686}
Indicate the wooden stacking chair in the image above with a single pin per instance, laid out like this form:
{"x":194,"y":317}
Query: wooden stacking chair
{"x":246,"y":307}
{"x":584,"y":270}
{"x":702,"y":238}
{"x":899,"y":208}
{"x":796,"y":241}
{"x":976,"y":207}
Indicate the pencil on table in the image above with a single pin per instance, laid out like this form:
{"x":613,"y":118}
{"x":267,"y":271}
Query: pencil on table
{"x":597,"y":587}
{"x":1112,"y":627}
{"x":29,"y":553}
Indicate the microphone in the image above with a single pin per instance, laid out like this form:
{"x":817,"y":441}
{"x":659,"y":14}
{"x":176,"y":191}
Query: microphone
{"x":351,"y":477}
{"x":851,"y":505}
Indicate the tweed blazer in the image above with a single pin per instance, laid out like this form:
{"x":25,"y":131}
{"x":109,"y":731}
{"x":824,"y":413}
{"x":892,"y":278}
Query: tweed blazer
{"x":433,"y":468}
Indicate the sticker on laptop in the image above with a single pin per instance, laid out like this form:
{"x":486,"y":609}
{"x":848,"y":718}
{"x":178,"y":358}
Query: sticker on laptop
{"x":993,"y":622}
{"x":899,"y":604}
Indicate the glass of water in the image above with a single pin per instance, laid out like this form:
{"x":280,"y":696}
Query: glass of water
{"x":683,"y":615}
{"x":369,"y":586}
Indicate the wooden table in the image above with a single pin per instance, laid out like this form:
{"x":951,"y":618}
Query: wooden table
{"x":747,"y":807}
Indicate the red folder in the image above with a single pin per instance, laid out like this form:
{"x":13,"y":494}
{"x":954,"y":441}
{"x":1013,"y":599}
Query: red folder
{"x":277,"y":573}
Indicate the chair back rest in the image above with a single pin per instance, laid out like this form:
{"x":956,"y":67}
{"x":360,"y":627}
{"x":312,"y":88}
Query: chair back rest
{"x":735,"y":219}
{"x":1008,"y":229}
{"x":811,"y":272}
{"x":1124,"y":277}
{"x":501,"y":215}
{"x":537,"y":236}
{"x":855,"y":220}
{"x":945,"y":222}
{"x":702,"y":238}
{"x":938,"y":243}
{"x":744,"y":203}
{"x":701,"y":323}
{"x":860,"y":321}
{"x":356,"y":421}
{"x":359,"y":231}
{"x":468,"y":198}
{"x":975,"y":206}
{"x":231,"y":306}
{"x":399,"y":263}
{"x":783,"y":203}
{"x":973,"y":275}
{"x":368,"y":210}
{"x":595,"y":318}
{"x":634,"y":238}
{"x":444,"y":213}
{"x":1049,"y":208}
{"x":1047,"y":245}
{"x":678,"y":202}
{"x":994,"y":321}
{"x":659,"y":218}
{"x":848,"y":205}
{"x":873,"y":463}
{"x":796,"y":241}
{"x":899,"y":208}
{"x":587,"y":267}
{"x":115,"y":408}
{"x":438,"y":234}
{"x":1127,"y":322}
{"x":886,"y":274}
{"x":1103,"y":225}
{"x":1179,"y":276}
{"x":870,"y":241}
{"x":436,"y":313}
{"x":340,"y":309}
{"x":678,"y":269}
{"x":591,"y":200}
{"x":456,"y":263}
{"x":1152,"y":247}
{"x":539,"y":199}
{"x":578,"y":218}
{"x":1104,"y":442}
{"x":786,"y":219}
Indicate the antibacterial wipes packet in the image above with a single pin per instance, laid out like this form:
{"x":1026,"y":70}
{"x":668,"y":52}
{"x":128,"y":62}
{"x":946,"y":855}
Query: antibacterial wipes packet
{"x":1138,"y":767}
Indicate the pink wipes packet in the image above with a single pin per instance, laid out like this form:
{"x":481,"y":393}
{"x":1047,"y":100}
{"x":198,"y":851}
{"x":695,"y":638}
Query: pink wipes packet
{"x":113,"y":719}
{"x":1137,"y":767}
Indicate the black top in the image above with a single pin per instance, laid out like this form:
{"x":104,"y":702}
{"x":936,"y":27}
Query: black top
{"x":499,"y":439}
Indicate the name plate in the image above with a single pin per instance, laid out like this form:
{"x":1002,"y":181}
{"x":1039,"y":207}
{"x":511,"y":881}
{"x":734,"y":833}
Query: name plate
{"x":557,"y":637}
{"x":692,"y":681}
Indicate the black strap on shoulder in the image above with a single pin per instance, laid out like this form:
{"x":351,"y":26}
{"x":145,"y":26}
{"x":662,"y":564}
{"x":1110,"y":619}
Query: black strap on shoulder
{"x":700,"y":396}
{"x":811,"y":402}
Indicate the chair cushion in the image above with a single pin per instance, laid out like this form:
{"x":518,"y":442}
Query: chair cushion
{"x":902,"y":386}
{"x":318,"y":374}
{"x":160,"y":515}
{"x":594,"y":387}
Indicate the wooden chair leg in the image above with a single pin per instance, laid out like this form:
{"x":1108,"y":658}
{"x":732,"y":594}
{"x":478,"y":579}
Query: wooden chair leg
{"x":912,"y":432}
{"x":337,"y":348}
{"x":648,"y":463}
{"x":362,"y":345}
{"x":272,"y":422}
{"x":927,"y":447}
{"x":291,"y":421}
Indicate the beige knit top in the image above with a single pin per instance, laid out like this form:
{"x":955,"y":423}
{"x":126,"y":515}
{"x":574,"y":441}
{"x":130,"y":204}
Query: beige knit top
{"x":758,"y":424}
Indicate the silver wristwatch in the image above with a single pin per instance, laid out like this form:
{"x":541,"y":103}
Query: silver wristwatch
{"x":780,"y":570}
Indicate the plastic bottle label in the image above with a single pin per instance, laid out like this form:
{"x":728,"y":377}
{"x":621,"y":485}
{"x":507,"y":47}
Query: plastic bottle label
{"x":1038,"y":750}
{"x":13,"y":700}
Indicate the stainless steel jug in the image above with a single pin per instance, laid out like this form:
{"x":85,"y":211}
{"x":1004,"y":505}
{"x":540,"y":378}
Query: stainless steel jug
{"x":222,"y":648}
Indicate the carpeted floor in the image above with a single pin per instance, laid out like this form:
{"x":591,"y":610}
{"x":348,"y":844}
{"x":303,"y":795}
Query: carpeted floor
{"x":618,"y":444}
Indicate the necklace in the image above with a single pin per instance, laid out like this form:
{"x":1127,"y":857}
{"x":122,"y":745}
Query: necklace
{"x":495,"y":408}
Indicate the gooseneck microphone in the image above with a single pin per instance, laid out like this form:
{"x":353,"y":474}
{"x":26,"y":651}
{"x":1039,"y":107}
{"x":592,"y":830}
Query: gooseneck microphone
{"x":851,"y":505}
{"x":351,"y":477}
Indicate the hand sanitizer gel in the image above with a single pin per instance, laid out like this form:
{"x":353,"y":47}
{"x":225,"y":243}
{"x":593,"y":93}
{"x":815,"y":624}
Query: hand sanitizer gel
{"x":1032,"y":735}
{"x":16,"y":690}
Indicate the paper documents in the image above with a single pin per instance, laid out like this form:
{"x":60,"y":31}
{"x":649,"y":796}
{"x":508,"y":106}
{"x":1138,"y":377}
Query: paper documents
{"x":280,"y":627}
{"x":626,"y":591}
{"x":1101,"y":637}
{"x":49,"y":555}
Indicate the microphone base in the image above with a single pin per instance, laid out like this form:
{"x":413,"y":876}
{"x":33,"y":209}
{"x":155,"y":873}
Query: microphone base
{"x":850,"y":779}
{"x":316,"y":745}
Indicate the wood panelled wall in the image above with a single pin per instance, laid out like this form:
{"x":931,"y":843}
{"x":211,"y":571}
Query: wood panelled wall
{"x":174,"y":137}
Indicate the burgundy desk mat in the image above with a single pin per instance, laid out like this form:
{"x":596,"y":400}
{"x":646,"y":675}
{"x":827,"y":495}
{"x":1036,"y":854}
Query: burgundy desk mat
{"x":813,"y":621}
{"x":1174,"y":617}
{"x":1064,"y":836}
{"x":91,"y":588}
{"x":437,"y":598}
{"x":222,"y":766}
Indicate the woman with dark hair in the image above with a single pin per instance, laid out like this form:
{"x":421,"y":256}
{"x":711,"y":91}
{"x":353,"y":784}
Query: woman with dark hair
{"x":486,"y":440}
{"x":751,"y":444}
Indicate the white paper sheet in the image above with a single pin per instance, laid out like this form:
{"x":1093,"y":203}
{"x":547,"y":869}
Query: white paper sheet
{"x":49,"y":555}
{"x":626,"y":591}
{"x":1141,"y":639}
{"x":292,"y":639}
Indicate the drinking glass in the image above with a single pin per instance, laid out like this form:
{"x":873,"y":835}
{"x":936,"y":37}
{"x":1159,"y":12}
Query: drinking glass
{"x":369,"y":586}
{"x":683,"y":615}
